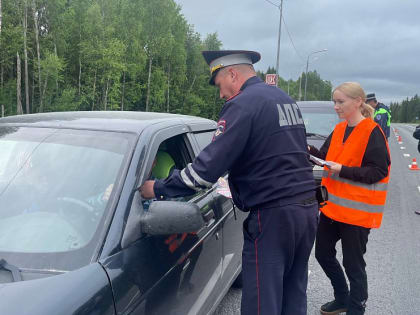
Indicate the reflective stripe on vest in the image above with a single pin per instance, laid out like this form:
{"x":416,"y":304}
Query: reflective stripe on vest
{"x":355,"y":204}
{"x":350,"y":201}
{"x":353,"y":216}
{"x":379,"y":186}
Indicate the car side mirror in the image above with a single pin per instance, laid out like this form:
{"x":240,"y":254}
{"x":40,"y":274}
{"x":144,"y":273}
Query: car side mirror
{"x":170,"y":217}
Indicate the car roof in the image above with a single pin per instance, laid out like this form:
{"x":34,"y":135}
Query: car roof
{"x":315,"y":104}
{"x":103,"y":120}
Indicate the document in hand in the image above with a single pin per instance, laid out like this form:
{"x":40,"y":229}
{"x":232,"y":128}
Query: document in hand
{"x":223,"y":188}
{"x":319,"y":161}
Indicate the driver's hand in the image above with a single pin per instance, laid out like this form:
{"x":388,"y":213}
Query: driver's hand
{"x":146,"y":189}
{"x":107,"y":192}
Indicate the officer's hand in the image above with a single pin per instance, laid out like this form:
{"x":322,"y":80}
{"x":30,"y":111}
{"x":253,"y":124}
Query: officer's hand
{"x":146,"y":189}
{"x":334,"y":167}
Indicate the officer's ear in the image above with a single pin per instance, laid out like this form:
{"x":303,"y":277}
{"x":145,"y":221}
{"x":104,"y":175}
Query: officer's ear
{"x":232,"y":73}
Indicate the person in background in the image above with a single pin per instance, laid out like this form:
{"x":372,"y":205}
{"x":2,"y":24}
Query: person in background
{"x":357,"y":181}
{"x":260,"y":140}
{"x":416,"y":135}
{"x":382,"y":114}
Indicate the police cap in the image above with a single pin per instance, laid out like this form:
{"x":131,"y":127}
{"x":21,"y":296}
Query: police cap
{"x":370,"y":97}
{"x":218,"y":59}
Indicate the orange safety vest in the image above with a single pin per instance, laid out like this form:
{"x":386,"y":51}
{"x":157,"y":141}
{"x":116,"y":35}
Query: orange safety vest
{"x":350,"y":201}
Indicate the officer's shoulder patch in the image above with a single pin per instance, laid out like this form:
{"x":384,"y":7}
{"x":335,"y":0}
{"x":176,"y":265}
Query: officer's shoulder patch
{"x":221,"y":127}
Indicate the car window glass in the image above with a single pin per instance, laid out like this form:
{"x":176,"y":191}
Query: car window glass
{"x":55,"y":186}
{"x":204,"y":138}
{"x":319,"y":122}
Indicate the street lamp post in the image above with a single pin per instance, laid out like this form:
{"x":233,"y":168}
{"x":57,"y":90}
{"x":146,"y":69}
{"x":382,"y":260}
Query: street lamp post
{"x":300,"y":84}
{"x":307,"y":64}
{"x":300,"y":87}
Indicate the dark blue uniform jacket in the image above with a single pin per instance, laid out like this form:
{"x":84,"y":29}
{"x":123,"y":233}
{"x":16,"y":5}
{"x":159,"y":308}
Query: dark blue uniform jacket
{"x":260,"y":140}
{"x":416,"y":134}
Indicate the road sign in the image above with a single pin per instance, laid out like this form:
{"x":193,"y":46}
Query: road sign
{"x":271,"y":79}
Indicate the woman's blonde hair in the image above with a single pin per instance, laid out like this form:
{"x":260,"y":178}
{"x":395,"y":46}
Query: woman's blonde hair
{"x":355,"y":90}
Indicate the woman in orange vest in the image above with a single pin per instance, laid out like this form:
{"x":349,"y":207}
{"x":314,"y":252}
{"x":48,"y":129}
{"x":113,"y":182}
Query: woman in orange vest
{"x":356,"y":180}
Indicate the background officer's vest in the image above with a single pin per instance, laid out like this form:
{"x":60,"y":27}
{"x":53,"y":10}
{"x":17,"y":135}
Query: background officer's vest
{"x":382,"y":111}
{"x":350,"y":201}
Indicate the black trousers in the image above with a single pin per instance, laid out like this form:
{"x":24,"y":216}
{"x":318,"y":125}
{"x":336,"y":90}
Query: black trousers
{"x":277,"y":245}
{"x":353,"y":240}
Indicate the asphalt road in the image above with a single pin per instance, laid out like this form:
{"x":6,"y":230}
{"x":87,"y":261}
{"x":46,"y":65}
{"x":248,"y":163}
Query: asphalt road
{"x":393,"y":251}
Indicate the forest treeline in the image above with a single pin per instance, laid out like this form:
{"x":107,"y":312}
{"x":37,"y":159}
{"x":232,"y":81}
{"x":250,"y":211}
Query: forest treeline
{"x":142,"y":55}
{"x":316,"y":88}
{"x":407,"y":111}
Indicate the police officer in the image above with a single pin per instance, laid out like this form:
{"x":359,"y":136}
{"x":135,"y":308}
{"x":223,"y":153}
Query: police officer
{"x":416,"y":135}
{"x":382,"y":115}
{"x":260,"y":139}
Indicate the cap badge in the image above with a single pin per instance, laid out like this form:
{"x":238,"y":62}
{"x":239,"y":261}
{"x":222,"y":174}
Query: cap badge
{"x":216,"y":67}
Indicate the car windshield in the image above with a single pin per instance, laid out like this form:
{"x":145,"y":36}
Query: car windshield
{"x":55,"y":186}
{"x":319,"y":121}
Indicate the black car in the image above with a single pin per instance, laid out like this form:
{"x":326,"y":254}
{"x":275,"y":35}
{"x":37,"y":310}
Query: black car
{"x":320,"y":119}
{"x":75,"y":235}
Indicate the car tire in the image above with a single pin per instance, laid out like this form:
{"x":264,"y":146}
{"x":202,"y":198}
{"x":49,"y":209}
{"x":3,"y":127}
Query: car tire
{"x":238,"y":283}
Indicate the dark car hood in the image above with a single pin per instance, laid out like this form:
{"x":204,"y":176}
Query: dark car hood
{"x":83,"y":291}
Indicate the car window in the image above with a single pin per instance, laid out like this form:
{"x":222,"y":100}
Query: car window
{"x":55,"y":186}
{"x":204,"y":138}
{"x":320,"y":122}
{"x":178,"y":149}
{"x":173,"y":153}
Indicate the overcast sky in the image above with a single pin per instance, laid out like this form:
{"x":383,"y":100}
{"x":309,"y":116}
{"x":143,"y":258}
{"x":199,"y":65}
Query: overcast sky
{"x":376,"y":42}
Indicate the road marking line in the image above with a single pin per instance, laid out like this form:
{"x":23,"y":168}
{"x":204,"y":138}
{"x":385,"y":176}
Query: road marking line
{"x":402,"y":148}
{"x":400,"y":142}
{"x":418,"y":187}
{"x":406,"y":155}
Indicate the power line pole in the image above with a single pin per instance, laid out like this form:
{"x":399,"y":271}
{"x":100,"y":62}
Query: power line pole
{"x":278,"y":43}
{"x":280,"y":7}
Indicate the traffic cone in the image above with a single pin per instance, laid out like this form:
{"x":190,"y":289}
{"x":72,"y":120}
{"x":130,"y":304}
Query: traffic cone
{"x":414,"y":166}
{"x":399,"y":139}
